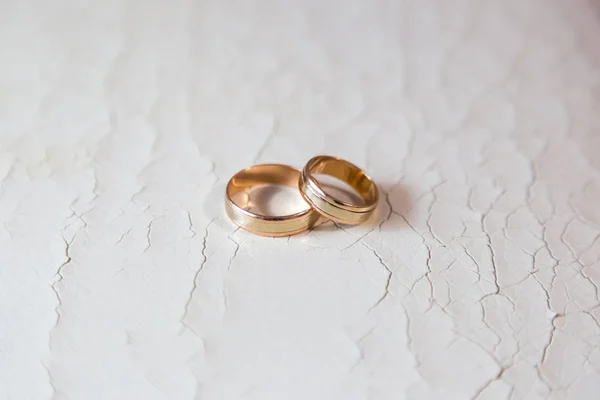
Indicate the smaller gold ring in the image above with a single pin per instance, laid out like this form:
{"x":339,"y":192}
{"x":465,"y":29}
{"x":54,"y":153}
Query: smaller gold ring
{"x":331,"y":207}
{"x":266,"y":225}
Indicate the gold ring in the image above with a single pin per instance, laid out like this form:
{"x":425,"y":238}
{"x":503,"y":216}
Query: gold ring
{"x":266,"y":225}
{"x":331,"y":207}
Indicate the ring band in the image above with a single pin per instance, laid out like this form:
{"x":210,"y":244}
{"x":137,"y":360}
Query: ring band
{"x":265,"y":225}
{"x":328,"y":205}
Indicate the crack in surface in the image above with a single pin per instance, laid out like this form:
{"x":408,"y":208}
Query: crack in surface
{"x":197,"y":274}
{"x":123,"y":236}
{"x":148,"y":233}
{"x":487,"y":384}
{"x":391,"y":209}
{"x":577,"y":260}
{"x":191,"y":225}
{"x":545,"y":350}
{"x":358,"y":239}
{"x":388,"y":279}
{"x":478,"y":272}
{"x":493,"y":261}
{"x":50,"y":382}
{"x":60,"y":277}
{"x":235,"y":253}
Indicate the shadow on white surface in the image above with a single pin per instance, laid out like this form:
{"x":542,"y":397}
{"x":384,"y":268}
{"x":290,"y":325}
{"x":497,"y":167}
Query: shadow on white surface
{"x":393,"y":210}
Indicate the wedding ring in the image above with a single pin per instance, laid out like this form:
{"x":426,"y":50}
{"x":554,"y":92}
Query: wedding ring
{"x":266,"y":225}
{"x":331,"y":207}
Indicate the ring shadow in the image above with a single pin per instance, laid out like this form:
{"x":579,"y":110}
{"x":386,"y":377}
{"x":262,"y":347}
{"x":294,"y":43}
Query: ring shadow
{"x":392,"y":212}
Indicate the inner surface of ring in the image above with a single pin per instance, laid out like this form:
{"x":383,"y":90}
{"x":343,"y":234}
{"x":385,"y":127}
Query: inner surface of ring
{"x":348,"y":173}
{"x":265,"y":181}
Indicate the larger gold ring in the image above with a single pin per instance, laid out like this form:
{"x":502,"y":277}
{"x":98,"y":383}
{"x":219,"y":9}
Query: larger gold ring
{"x":331,"y":207}
{"x":265,"y":225}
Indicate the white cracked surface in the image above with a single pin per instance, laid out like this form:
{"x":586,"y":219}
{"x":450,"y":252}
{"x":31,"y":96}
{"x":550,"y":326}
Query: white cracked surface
{"x":121,"y":122}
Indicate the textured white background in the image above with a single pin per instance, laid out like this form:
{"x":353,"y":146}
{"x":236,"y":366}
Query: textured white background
{"x":121,"y":122}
